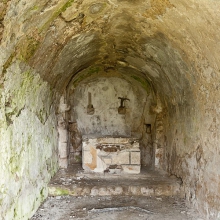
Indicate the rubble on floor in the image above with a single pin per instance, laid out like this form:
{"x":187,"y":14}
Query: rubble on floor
{"x":115,"y":208}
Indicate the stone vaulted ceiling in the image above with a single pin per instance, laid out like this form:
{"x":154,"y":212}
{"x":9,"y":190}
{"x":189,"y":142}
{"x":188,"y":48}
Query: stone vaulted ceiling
{"x":161,"y":44}
{"x":170,"y":47}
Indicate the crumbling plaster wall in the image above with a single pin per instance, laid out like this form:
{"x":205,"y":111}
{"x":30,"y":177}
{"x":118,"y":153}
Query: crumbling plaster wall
{"x":175,"y":44}
{"x":192,"y":130}
{"x":193,"y":148}
{"x":106,"y":121}
{"x":28,"y":140}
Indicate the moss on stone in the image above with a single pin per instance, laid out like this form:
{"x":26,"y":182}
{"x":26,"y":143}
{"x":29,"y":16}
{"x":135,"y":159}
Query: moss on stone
{"x":145,"y":84}
{"x":15,"y":213}
{"x":93,"y":70}
{"x":14,"y":164}
{"x":67,"y":5}
{"x":18,"y":97}
{"x":24,"y":51}
{"x":34,"y":8}
{"x":9,"y":61}
{"x":56,"y":14}
{"x":59,"y":191}
{"x":43,"y":194}
{"x":78,"y":158}
{"x":28,"y":48}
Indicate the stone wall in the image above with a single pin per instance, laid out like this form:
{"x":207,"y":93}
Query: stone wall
{"x":171,"y":45}
{"x":106,"y":120}
{"x":28,"y":140}
{"x":193,"y":149}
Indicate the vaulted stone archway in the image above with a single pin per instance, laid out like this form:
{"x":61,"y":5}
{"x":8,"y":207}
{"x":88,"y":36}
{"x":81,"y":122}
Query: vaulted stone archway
{"x":166,"y":52}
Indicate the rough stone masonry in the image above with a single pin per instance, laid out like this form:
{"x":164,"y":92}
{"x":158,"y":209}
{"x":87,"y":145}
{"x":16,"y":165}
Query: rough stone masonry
{"x":52,"y":52}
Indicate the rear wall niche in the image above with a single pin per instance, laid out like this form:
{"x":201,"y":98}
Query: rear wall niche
{"x":106,"y":121}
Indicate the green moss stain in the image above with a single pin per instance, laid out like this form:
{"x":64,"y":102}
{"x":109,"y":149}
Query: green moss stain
{"x":78,"y":158}
{"x":28,"y":48}
{"x":43,"y":194}
{"x":15,"y":213}
{"x":9,"y":61}
{"x":59,"y":191}
{"x":56,"y":14}
{"x":14,"y":164}
{"x":93,"y":70}
{"x":23,"y":51}
{"x":67,"y":5}
{"x":34,"y":8}
{"x":20,"y":97}
{"x":145,"y":84}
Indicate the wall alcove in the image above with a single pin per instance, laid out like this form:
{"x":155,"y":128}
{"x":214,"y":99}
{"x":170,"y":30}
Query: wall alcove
{"x":104,"y":95}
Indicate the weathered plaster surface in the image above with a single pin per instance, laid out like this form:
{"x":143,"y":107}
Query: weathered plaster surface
{"x":104,"y":97}
{"x":109,"y":154}
{"x":106,"y":120}
{"x":171,"y":47}
{"x":28,"y":139}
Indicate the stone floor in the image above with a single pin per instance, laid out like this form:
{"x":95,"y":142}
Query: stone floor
{"x":149,"y":195}
{"x":74,"y":181}
{"x":114,"y":208}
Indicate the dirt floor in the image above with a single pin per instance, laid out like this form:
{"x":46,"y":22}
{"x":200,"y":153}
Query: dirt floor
{"x":114,"y":208}
{"x":150,"y":195}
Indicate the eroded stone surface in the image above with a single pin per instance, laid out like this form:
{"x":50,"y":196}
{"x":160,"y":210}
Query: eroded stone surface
{"x":111,"y":155}
{"x":168,"y":47}
{"x":123,"y":207}
{"x":28,"y":125}
{"x":77,"y":182}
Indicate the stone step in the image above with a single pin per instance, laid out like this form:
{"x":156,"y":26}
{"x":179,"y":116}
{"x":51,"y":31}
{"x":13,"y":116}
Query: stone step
{"x":75,"y":182}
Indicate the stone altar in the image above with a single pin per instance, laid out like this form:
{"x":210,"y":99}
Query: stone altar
{"x":108,"y":154}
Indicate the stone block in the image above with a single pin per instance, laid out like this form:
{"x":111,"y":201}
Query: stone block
{"x":63,"y":162}
{"x":63,"y":135}
{"x":100,"y":165}
{"x":85,"y":191}
{"x":87,"y":157}
{"x":94,"y":191}
{"x":132,"y":169}
{"x":118,"y":191}
{"x":112,"y":140}
{"x":103,"y":191}
{"x":135,"y":147}
{"x":134,"y":190}
{"x":63,"y":150}
{"x":99,"y":153}
{"x":163,"y":191}
{"x":147,"y":191}
{"x":135,"y":157}
{"x":121,"y":158}
{"x":159,"y":157}
{"x":107,"y":160}
{"x":87,"y":146}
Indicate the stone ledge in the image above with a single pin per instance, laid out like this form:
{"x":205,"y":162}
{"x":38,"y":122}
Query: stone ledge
{"x":107,"y":190}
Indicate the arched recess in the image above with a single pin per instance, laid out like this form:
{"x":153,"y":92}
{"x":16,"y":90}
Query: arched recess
{"x":151,"y":62}
{"x":96,"y":109}
{"x":155,"y":41}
